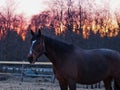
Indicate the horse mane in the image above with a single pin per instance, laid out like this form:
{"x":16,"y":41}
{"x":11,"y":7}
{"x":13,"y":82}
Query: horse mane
{"x":59,"y":45}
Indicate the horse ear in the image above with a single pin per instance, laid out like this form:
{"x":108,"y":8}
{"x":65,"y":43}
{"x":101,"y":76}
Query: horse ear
{"x":39,"y":32}
{"x":32,"y":33}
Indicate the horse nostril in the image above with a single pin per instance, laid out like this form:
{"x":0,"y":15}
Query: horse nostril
{"x":30,"y":58}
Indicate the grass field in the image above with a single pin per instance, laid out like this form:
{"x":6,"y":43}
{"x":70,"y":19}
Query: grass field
{"x":38,"y":83}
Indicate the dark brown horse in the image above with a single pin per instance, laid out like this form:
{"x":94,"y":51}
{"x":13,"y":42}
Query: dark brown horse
{"x":73,"y":65}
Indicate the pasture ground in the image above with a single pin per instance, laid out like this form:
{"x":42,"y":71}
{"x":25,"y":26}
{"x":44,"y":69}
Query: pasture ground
{"x":32,"y":83}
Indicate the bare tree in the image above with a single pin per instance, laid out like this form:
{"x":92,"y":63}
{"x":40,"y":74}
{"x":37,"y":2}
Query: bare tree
{"x":8,"y":12}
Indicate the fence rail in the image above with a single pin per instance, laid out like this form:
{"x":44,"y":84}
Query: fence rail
{"x":24,"y":62}
{"x":23,"y":70}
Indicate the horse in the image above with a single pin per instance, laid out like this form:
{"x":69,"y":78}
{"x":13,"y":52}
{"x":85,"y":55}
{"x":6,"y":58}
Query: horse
{"x":72,"y":64}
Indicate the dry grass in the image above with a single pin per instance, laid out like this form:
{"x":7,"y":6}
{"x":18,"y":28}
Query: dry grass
{"x":14,"y":83}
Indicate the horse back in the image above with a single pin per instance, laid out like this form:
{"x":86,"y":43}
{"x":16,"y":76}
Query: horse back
{"x":97,"y":62}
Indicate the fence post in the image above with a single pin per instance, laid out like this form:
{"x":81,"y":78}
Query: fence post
{"x":22,"y":72}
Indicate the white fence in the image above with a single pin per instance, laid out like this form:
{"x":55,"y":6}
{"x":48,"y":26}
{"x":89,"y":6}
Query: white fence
{"x":28,"y":71}
{"x":24,"y":63}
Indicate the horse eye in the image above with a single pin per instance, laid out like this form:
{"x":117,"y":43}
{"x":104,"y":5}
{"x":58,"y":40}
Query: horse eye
{"x":37,"y":42}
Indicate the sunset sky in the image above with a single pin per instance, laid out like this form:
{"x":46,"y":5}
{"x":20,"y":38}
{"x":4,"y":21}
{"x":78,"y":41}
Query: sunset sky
{"x":28,"y":7}
{"x":31,"y":7}
{"x":105,"y":11}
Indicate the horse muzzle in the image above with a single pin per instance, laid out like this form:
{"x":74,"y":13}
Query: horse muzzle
{"x":32,"y":59}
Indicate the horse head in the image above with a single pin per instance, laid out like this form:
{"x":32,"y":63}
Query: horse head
{"x":37,"y":46}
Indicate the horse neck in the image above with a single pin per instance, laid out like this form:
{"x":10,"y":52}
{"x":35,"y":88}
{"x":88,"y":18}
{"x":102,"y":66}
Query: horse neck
{"x":55,"y":50}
